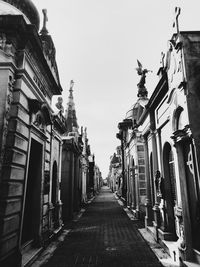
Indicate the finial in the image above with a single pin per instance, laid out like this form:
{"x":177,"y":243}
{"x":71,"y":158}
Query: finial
{"x":85,"y":131}
{"x":44,"y":30}
{"x":59,"y":104}
{"x":71,"y":86}
{"x":176,"y":15}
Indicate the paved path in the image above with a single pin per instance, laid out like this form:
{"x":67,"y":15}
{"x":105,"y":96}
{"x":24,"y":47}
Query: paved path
{"x":104,"y":237}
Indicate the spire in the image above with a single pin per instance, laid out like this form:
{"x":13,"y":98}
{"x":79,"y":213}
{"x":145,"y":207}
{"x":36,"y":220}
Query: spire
{"x":70,"y":113}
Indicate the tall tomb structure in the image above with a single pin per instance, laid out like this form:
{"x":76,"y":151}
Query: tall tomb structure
{"x":30,"y":137}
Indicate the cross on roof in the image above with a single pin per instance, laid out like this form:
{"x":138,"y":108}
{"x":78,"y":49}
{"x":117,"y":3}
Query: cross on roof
{"x":71,"y":86}
{"x":44,"y":11}
{"x":176,"y":15}
{"x":162,"y":60}
{"x":45,"y":19}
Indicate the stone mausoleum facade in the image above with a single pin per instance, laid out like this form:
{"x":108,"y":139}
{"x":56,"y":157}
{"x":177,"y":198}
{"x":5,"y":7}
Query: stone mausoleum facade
{"x":30,"y":135}
{"x":169,"y":125}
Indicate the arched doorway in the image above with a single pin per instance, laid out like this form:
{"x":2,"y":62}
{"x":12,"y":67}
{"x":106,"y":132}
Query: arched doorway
{"x":169,"y":189}
{"x":32,"y":201}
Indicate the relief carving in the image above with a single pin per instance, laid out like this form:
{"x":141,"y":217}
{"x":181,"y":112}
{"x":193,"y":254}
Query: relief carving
{"x":174,"y":65}
{"x":46,"y":182}
{"x":3,"y":158}
{"x":41,"y":116}
{"x":6,"y":45}
{"x":159,"y":184}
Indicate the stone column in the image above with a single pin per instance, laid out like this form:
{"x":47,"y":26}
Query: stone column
{"x":124,"y":185}
{"x":183,"y":215}
{"x":148,"y":217}
{"x":156,"y":209}
{"x":59,"y":203}
{"x":160,"y":203}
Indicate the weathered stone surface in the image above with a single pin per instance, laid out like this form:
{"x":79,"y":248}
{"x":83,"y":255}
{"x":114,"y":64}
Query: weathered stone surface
{"x":8,"y":243}
{"x":14,"y":140}
{"x":10,"y":224}
{"x":17,"y":111}
{"x":10,"y":206}
{"x":18,"y":157}
{"x":47,"y":157}
{"x":47,"y":166}
{"x":13,"y":172}
{"x":19,"y":97}
{"x":11,"y":189}
{"x":46,"y":198}
{"x":20,"y":127}
{"x":48,"y":147}
{"x":45,"y":221}
{"x":45,"y":209}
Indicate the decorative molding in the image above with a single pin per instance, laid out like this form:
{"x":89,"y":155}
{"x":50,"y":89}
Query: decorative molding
{"x":182,"y":135}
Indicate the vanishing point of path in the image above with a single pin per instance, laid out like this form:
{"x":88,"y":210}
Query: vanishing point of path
{"x":104,"y":236}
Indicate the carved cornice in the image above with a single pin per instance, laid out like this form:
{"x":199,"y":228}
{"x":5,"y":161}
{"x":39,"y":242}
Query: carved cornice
{"x":25,"y":39}
{"x":182,"y":135}
{"x":59,"y":123}
{"x":125,"y":124}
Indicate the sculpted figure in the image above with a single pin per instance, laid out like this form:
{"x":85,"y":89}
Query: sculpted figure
{"x":142,"y":91}
{"x":59,"y":104}
{"x":156,"y":180}
{"x":159,"y":183}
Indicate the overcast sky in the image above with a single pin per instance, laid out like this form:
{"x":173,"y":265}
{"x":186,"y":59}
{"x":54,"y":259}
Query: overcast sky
{"x":97,"y":45}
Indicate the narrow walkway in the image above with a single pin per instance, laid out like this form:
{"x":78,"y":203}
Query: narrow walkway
{"x":104,"y":236}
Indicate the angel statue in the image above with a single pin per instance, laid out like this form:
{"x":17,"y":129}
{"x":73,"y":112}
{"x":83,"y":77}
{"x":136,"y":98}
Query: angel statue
{"x":59,"y":104}
{"x":142,"y":91}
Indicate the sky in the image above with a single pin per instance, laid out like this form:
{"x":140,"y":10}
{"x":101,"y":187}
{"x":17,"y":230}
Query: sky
{"x":97,"y":45}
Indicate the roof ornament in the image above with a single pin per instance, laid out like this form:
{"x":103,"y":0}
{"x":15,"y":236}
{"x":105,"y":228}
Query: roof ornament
{"x":175,"y":21}
{"x":162,"y":60}
{"x":59,"y":104}
{"x":71,"y":86}
{"x":142,"y":91}
{"x":44,"y":30}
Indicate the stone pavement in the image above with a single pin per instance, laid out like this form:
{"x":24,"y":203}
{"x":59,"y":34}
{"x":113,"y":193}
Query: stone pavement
{"x":103,"y":237}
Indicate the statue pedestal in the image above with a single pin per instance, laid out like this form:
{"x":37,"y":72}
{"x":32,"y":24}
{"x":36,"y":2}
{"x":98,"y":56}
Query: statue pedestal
{"x":148,"y":217}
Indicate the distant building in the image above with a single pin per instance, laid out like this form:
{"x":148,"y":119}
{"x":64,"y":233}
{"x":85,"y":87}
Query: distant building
{"x":98,"y":181}
{"x":115,"y":172}
{"x":85,"y":167}
{"x":71,"y":174}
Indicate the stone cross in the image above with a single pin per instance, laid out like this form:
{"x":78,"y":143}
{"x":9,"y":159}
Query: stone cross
{"x":45,"y":19}
{"x":176,"y":15}
{"x":162,"y":59}
{"x":71,"y":85}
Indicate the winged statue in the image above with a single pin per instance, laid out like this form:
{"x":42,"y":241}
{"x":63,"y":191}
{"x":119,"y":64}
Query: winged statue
{"x":140,"y":69}
{"x":141,"y":85}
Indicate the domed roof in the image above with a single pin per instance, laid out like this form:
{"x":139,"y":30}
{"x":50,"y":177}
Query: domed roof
{"x":28,"y":9}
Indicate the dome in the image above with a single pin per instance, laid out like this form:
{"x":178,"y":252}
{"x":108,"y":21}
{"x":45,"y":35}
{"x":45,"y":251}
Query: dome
{"x":23,"y":7}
